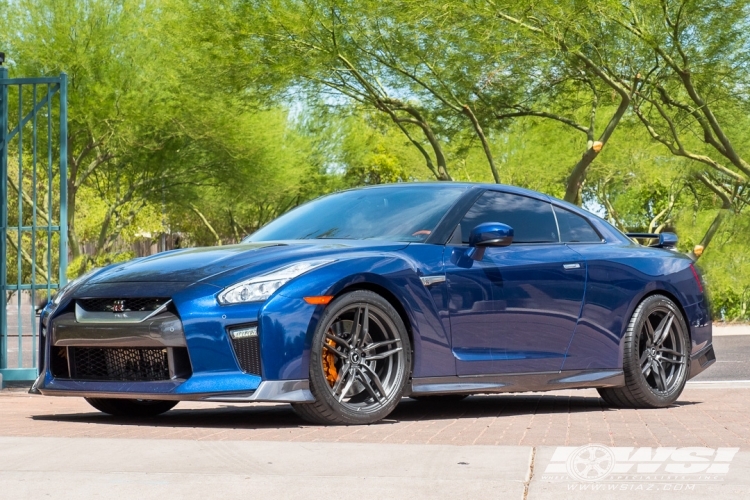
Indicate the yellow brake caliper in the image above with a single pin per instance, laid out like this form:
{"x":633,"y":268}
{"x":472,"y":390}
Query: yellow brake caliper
{"x":329,"y":364}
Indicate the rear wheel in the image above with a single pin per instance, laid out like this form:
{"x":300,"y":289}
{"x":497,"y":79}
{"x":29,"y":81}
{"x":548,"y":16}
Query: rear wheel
{"x":360,"y":361}
{"x":131,"y":407}
{"x":655,"y":359}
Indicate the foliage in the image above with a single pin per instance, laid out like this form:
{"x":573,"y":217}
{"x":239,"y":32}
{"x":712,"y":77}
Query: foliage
{"x":203,"y":120}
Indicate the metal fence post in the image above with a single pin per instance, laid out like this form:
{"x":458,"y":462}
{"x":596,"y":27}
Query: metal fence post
{"x":3,"y":213}
{"x":63,"y":179}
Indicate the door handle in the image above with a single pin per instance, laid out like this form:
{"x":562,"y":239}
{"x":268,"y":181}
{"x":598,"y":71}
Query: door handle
{"x":572,"y":266}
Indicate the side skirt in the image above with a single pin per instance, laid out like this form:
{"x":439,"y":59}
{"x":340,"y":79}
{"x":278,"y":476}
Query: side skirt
{"x":522,"y":382}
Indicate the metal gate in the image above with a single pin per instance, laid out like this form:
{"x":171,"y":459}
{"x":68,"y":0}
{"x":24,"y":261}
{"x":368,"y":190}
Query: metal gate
{"x":33,"y":211}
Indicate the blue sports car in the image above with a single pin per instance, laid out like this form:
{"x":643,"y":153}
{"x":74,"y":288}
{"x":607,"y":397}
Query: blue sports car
{"x":350,"y":302}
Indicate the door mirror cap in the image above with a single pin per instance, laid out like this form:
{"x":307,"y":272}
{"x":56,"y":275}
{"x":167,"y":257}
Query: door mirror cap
{"x":489,"y":234}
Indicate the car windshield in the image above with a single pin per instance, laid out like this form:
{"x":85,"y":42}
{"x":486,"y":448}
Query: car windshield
{"x":383,"y":213}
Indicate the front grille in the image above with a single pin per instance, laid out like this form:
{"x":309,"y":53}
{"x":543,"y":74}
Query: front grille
{"x":93,"y":363}
{"x":247,"y":351}
{"x":122,"y":305}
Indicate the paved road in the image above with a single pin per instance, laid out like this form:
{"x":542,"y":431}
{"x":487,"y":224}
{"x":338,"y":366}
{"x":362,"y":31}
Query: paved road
{"x":732,"y":359}
{"x":501,"y":446}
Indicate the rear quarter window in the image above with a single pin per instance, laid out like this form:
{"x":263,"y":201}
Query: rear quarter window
{"x":574,"y":228}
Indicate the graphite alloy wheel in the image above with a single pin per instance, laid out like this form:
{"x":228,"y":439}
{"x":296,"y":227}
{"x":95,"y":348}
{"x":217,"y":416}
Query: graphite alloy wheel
{"x":131,"y":407}
{"x":360,"y":361}
{"x":656,"y":357}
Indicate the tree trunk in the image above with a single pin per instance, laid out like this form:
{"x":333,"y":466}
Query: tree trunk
{"x":574,"y":183}
{"x":712,"y":229}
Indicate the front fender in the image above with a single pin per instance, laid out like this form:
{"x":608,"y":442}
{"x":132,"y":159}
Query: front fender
{"x":395,"y":277}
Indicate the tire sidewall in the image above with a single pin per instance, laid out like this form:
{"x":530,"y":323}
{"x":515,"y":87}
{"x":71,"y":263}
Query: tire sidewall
{"x":318,"y":382}
{"x":632,"y":358}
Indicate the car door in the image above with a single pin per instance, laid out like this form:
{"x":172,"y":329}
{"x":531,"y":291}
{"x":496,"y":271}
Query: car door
{"x":514,"y":311}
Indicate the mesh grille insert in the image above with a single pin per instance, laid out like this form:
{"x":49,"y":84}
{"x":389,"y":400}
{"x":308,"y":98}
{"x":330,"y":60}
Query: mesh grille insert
{"x":122,"y":305}
{"x":93,"y":363}
{"x":248,"y":354}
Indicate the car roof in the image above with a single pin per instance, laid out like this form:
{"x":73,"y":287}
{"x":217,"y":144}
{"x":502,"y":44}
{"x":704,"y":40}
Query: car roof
{"x":600,"y":223}
{"x":466,"y":185}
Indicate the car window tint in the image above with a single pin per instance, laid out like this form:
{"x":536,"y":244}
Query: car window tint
{"x":574,"y":228}
{"x":532,"y":220}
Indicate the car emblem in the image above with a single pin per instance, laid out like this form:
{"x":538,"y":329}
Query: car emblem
{"x":118,"y":306}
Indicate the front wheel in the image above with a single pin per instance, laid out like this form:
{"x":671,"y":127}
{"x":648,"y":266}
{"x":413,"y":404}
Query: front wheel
{"x":131,"y":407}
{"x":360,"y":361}
{"x":656,"y":357}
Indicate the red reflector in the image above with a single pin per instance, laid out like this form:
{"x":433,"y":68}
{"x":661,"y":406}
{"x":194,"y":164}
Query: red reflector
{"x":697,"y":278}
{"x":319,"y":300}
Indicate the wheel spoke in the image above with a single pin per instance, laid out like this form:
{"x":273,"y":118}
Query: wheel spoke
{"x":646,"y":368}
{"x":649,"y":333}
{"x":338,"y":340}
{"x":366,"y":381}
{"x":376,"y":345}
{"x":661,"y":379}
{"x":384,"y":355}
{"x":644,"y":358}
{"x":664,"y":350}
{"x":335,"y":351}
{"x":663,"y":329}
{"x":371,"y":375}
{"x":345,"y":390}
{"x":356,"y":327}
{"x":340,"y":379}
{"x":670,"y":360}
{"x":365,"y":327}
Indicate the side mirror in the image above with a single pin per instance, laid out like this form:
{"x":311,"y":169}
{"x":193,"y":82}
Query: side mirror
{"x":489,"y":234}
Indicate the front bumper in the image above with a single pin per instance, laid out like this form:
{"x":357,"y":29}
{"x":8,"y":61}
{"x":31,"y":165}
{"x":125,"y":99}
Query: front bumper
{"x":200,"y":329}
{"x":277,"y":391}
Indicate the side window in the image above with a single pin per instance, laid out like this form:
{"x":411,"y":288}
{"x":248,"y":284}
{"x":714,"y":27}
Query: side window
{"x":532,"y":220}
{"x":574,"y":228}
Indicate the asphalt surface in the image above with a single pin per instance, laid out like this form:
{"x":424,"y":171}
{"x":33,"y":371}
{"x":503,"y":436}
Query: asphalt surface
{"x":732,"y":359}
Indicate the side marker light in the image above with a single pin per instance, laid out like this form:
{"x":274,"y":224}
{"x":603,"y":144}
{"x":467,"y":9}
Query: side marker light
{"x":319,"y":300}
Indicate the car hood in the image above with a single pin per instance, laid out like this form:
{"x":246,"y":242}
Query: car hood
{"x":201,"y":264}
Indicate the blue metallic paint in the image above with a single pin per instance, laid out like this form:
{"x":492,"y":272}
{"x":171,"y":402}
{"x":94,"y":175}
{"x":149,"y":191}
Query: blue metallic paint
{"x":516,"y":311}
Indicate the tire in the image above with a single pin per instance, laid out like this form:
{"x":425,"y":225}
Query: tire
{"x":656,"y":357}
{"x":131,"y":407}
{"x":360,"y":361}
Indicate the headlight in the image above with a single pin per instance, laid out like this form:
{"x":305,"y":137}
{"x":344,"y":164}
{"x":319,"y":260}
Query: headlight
{"x":72,"y":285}
{"x":259,"y":288}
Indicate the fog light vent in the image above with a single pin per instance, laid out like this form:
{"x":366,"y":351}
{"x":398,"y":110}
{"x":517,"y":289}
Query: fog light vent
{"x":246,"y":345}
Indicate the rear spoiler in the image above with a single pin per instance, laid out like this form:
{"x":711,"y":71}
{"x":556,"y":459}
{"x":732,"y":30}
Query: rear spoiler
{"x":665,"y":240}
